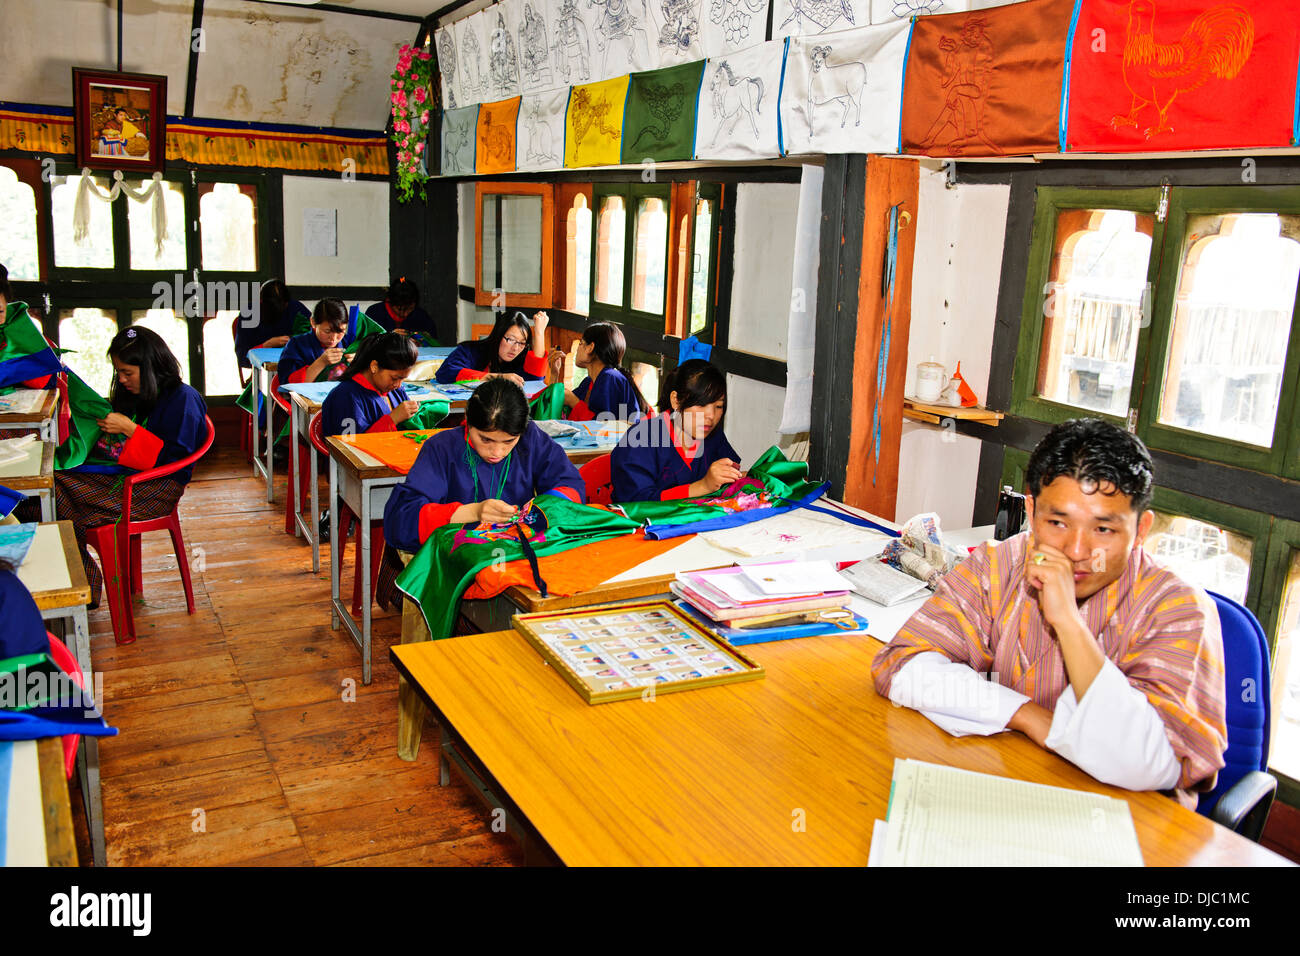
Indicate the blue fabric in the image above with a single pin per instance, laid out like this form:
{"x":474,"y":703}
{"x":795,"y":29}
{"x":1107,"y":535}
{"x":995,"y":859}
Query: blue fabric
{"x":352,"y":408}
{"x":180,"y":420}
{"x":24,"y":368}
{"x":611,"y":395}
{"x":6,"y":774}
{"x":51,"y":722}
{"x":302,"y":350}
{"x":9,"y":500}
{"x":474,"y":356}
{"x":733,"y":520}
{"x":1246,"y":676}
{"x":693,"y":348}
{"x":267,"y":327}
{"x":418,"y":322}
{"x":588,"y":437}
{"x":441,"y":476}
{"x":23,"y":631}
{"x":646,"y":462}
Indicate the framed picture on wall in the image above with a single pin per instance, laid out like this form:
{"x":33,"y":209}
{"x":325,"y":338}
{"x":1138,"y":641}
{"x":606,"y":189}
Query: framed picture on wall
{"x":119,"y":120}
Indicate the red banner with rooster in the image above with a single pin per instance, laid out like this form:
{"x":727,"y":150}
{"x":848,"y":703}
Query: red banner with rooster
{"x":1157,"y":75}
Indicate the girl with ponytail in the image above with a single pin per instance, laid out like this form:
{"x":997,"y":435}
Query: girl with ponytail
{"x":608,"y":391}
{"x":370,"y":397}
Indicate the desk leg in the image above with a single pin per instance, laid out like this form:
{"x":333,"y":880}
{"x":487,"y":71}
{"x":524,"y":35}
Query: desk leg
{"x":269,"y":404}
{"x":295,"y":463}
{"x":256,"y":379}
{"x":363,"y":556}
{"x":92,"y":796}
{"x":444,"y":765}
{"x":81,"y":639}
{"x":411,"y":710}
{"x":334,"y":544}
{"x":313,"y":530}
{"x":47,"y":505}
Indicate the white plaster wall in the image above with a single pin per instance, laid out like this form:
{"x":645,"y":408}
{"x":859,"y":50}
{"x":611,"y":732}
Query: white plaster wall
{"x":766,"y":215}
{"x":753,"y":416}
{"x":465,"y":234}
{"x":362,"y":231}
{"x":954,"y":303}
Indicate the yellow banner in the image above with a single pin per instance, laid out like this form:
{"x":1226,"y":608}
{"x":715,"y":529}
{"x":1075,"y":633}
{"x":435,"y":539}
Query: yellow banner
{"x":593,"y":125}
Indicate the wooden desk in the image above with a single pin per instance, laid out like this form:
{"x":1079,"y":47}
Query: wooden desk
{"x":264,"y":363}
{"x":34,"y":475}
{"x":39,"y":817}
{"x":720,"y":776}
{"x":302,"y":410}
{"x":43,"y":420}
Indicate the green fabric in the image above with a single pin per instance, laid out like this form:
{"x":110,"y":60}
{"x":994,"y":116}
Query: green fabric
{"x":549,"y":403}
{"x":87,"y":407}
{"x":19,"y":335}
{"x":429,"y":416}
{"x":659,"y":120}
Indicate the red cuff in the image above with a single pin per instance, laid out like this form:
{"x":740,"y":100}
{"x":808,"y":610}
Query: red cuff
{"x":468,"y":373}
{"x":672,"y":494}
{"x":535,"y":364}
{"x":581,"y":413}
{"x":434,"y":516}
{"x":299,"y":377}
{"x":40,"y":383}
{"x":384,"y":423}
{"x":141,"y":450}
{"x":570,"y":493}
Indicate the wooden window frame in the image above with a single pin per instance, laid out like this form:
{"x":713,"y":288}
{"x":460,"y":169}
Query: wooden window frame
{"x":488,"y":297}
{"x":624,"y":314}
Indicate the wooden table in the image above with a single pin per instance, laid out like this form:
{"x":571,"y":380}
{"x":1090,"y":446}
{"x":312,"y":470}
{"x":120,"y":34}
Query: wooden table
{"x":264,"y":363}
{"x":722,"y":776}
{"x":38,"y":787}
{"x":303,"y":409}
{"x":43,"y":420}
{"x":34,"y":475}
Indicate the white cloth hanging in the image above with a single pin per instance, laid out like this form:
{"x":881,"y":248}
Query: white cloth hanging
{"x":87,"y":188}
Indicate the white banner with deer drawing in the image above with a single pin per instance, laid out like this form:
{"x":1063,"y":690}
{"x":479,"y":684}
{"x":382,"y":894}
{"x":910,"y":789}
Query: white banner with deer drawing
{"x":539,"y":143}
{"x":737,"y":117}
{"x":843,"y":92}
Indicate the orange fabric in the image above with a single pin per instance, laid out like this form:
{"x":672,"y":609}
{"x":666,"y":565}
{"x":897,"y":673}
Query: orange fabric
{"x":394,"y":449}
{"x":986,"y":83}
{"x":576,"y":570}
{"x":496,"y":136}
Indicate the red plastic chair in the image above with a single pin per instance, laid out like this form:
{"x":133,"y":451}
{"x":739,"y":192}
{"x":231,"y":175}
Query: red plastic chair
{"x":316,"y":432}
{"x":119,"y":545}
{"x":596,"y":476}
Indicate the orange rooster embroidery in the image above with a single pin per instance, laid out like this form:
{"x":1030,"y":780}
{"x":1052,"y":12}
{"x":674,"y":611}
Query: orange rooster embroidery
{"x":1215,"y":46}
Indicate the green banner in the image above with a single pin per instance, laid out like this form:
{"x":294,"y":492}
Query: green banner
{"x":659,"y":120}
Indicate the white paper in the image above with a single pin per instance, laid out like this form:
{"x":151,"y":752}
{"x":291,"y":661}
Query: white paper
{"x":22,"y":401}
{"x":795,"y":578}
{"x":881,"y":583}
{"x":320,"y":233}
{"x":16,"y":453}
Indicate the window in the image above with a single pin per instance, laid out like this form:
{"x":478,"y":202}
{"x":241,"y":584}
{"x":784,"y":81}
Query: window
{"x":611,"y":239}
{"x":87,"y":333}
{"x":630,"y":265}
{"x":703,"y":261}
{"x":18,"y":245}
{"x":172,"y":329}
{"x":1203,"y":554}
{"x":650,"y":256}
{"x":220,"y":371}
{"x":228,"y":227}
{"x":1284,"y":756}
{"x":95,"y":249}
{"x":149,"y":251}
{"x":577,"y":256}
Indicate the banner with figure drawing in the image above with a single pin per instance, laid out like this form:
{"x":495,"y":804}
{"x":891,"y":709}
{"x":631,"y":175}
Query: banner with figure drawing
{"x":536,"y":71}
{"x":444,"y":42}
{"x":793,"y":18}
{"x":842,"y":92}
{"x":593,"y":125}
{"x":471,"y":60}
{"x":571,"y":43}
{"x":496,"y":136}
{"x":459,"y":141}
{"x":540,"y":139}
{"x":659,"y":119}
{"x":730,"y":26}
{"x":738,"y":104}
{"x":503,"y":49}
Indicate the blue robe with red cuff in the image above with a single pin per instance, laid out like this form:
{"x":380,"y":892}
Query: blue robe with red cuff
{"x":23,"y":631}
{"x":650,"y":464}
{"x":301,"y":351}
{"x":418,"y":322}
{"x":471,"y":360}
{"x":354,"y":407}
{"x":612,"y":395}
{"x":267,"y":327}
{"x":175,"y":429}
{"x":441,"y":481}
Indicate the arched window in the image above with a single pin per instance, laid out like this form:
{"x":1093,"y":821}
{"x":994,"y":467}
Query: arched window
{"x":173,"y":330}
{"x":18,"y":245}
{"x":228,"y":227}
{"x":96,"y":251}
{"x":611,"y":241}
{"x":145,"y":253}
{"x":87,"y":332}
{"x":220,"y":371}
{"x":577,"y":256}
{"x":649,"y":259}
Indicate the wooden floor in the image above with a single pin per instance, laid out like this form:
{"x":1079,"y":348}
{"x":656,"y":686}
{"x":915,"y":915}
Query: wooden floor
{"x":246,"y":734}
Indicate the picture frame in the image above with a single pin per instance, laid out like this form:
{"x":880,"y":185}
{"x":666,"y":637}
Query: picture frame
{"x":624,"y":651}
{"x":119,"y":120}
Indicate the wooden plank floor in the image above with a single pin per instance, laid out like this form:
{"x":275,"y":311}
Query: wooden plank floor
{"x":246,"y":735}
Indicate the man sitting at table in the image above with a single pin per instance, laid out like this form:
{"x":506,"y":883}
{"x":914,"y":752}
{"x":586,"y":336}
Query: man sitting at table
{"x":1094,"y":650}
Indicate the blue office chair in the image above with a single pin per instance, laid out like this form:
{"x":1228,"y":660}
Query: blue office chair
{"x":1244,"y":792}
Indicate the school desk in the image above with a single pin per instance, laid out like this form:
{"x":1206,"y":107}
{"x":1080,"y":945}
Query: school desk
{"x":33,"y":475}
{"x":42,"y":419}
{"x":36,"y":814}
{"x":263,"y":362}
{"x":52,"y":571}
{"x":788,"y":770}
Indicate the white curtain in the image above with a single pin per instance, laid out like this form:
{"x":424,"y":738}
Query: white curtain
{"x":802,"y":334}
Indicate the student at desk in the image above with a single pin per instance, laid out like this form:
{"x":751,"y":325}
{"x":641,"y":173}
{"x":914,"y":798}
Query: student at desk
{"x":1097,"y":652}
{"x":683,"y":452}
{"x":608,"y":391}
{"x":370,"y":397}
{"x":502,"y":354}
{"x":11,"y":314}
{"x":317,"y":355}
{"x":400,"y":312}
{"x":278,"y":312}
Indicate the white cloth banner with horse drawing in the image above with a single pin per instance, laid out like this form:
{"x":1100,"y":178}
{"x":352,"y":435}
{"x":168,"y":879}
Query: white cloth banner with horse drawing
{"x":843,"y":92}
{"x":792,"y":18}
{"x":571,"y":41}
{"x":539,"y":143}
{"x":730,"y":26}
{"x":471,"y":60}
{"x":737,"y":116}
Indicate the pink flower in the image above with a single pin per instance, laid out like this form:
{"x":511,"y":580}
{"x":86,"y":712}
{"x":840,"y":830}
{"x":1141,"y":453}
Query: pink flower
{"x":419,"y":148}
{"x":395,"y":96}
{"x":424,"y":117}
{"x":402,"y":126}
{"x":403,"y":156}
{"x":420,"y":94}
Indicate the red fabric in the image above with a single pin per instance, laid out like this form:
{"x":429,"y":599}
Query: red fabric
{"x":535,"y":364}
{"x":434,"y":516}
{"x":384,"y":423}
{"x":570,"y":493}
{"x":1198,"y":74}
{"x":470,"y":373}
{"x":672,"y":494}
{"x":141,"y":449}
{"x":580,"y":413}
{"x":300,"y":376}
{"x":67,"y":662}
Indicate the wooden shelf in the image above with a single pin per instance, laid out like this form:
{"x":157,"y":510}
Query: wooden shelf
{"x":935,"y":414}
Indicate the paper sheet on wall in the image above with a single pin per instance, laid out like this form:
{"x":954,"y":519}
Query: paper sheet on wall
{"x":502,"y":32}
{"x":320,"y":233}
{"x":471,"y":59}
{"x":887,"y":11}
{"x":444,"y":41}
{"x":796,"y":416}
{"x":572,"y":43}
{"x":737,"y":117}
{"x":795,"y":531}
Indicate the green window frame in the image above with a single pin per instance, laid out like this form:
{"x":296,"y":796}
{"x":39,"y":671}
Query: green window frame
{"x":624,"y":314}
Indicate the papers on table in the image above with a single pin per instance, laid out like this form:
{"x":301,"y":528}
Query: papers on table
{"x":795,"y":531}
{"x":879,"y":582}
{"x":23,"y":401}
{"x":941,"y":816}
{"x":790,"y":578}
{"x":14,"y":450}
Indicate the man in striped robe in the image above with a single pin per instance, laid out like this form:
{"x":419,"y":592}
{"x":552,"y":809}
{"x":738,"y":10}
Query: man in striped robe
{"x":1093,"y":649}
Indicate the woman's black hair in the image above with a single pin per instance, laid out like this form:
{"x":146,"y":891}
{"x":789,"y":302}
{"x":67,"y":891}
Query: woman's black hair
{"x":610,"y":347}
{"x":392,"y":350}
{"x":5,"y":291}
{"x":402,"y":292}
{"x":492,"y":344}
{"x":274,"y":299}
{"x":1098,"y":455}
{"x":696,"y":382}
{"x":159,"y":370}
{"x":331,"y":312}
{"x":498,"y":405}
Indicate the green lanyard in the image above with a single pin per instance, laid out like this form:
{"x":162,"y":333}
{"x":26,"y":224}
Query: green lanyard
{"x":471,"y":459}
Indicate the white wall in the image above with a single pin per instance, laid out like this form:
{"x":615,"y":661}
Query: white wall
{"x":954,"y":304}
{"x":362,"y":228}
{"x":766,"y":215}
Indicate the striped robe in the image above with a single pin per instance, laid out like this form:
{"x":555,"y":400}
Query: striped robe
{"x":1161,"y":633}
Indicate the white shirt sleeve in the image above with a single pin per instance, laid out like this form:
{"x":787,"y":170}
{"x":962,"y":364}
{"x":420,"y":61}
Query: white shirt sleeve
{"x":954,"y":696}
{"x":1114,"y":734}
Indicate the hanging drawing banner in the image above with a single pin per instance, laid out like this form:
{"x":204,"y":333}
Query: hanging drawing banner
{"x":535,"y":69}
{"x":444,"y":42}
{"x":729,"y":26}
{"x":842,"y":92}
{"x":502,"y":31}
{"x":675,"y":30}
{"x":986,"y":83}
{"x":572,"y":47}
{"x":624,"y":38}
{"x":496,"y":136}
{"x":1194,"y":74}
{"x":659,"y":119}
{"x":887,"y":11}
{"x":539,"y":143}
{"x":593,"y":125}
{"x":792,"y":18}
{"x":737,"y":116}
{"x":471,"y":57}
{"x":459,"y":137}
